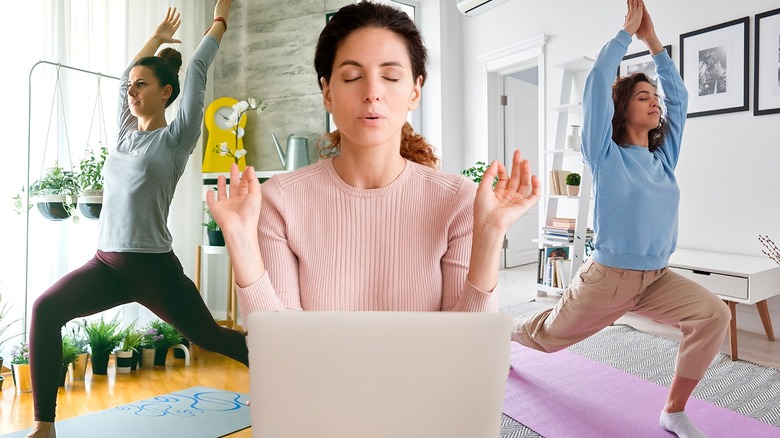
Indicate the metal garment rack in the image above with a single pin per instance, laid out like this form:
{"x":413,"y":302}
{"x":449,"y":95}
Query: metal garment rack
{"x":27,"y":192}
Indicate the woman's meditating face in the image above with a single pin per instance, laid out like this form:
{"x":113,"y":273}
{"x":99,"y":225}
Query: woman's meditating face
{"x":145,"y":96}
{"x":372,"y":88}
{"x":643,"y":110}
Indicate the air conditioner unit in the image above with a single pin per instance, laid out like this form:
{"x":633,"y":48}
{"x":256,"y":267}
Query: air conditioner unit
{"x":476,"y":7}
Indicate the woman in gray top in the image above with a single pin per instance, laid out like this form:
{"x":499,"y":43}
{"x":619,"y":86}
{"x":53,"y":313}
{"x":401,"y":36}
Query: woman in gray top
{"x":134,"y":260}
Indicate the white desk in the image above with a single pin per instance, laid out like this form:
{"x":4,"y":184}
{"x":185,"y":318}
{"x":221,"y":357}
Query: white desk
{"x":735,"y":279}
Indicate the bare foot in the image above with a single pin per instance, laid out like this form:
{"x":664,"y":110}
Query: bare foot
{"x":42,"y":429}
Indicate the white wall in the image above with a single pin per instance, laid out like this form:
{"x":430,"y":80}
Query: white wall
{"x":728,"y":161}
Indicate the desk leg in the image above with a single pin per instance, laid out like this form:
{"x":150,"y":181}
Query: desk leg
{"x":733,"y":330}
{"x":763,"y":311}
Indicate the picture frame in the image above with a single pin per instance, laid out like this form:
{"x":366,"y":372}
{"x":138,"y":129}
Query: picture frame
{"x":716,"y":61}
{"x":640,"y":62}
{"x":766,"y":72}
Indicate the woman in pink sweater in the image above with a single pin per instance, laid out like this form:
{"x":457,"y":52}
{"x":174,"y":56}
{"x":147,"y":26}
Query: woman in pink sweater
{"x":377,"y":226}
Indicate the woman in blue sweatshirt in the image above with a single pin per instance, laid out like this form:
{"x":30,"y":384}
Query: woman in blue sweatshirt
{"x":135,"y":260}
{"x":631,"y":145}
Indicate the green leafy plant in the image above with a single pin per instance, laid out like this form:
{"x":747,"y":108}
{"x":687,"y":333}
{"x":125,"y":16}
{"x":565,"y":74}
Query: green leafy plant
{"x":69,"y":350}
{"x":132,"y":339}
{"x":103,"y":336}
{"x":90,"y":173}
{"x":573,"y":179}
{"x":211,"y":224}
{"x":75,"y":333}
{"x":56,"y":181}
{"x":160,"y":334}
{"x":476,"y":171}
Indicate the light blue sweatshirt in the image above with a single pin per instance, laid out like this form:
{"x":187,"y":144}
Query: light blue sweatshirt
{"x":142,"y":172}
{"x":636,"y":193}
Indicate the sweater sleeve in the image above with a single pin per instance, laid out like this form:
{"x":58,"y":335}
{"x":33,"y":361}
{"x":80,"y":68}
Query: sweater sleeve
{"x":458,"y":294}
{"x":280,"y":262}
{"x":185,"y":128}
{"x":676,"y":102}
{"x":597,"y":105}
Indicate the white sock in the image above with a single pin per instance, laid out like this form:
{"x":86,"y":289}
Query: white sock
{"x":680,"y":424}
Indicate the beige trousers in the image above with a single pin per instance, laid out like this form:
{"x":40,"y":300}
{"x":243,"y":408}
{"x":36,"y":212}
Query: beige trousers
{"x":599,"y":295}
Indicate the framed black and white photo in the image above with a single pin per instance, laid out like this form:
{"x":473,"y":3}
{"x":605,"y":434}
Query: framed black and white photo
{"x":767,"y":69}
{"x":714,"y":67}
{"x":641,"y":62}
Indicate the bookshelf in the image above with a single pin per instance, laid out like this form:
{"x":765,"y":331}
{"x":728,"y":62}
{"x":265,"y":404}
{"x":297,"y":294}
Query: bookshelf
{"x":557,"y":205}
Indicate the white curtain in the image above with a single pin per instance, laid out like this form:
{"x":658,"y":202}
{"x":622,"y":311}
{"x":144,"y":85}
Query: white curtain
{"x":98,"y":36}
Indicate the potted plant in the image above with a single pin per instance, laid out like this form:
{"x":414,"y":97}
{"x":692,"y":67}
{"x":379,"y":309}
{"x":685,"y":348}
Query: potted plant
{"x":160,"y":336}
{"x":126,"y":358}
{"x":213,"y":230}
{"x":69,"y":354}
{"x":573,"y":184}
{"x":90,"y":181}
{"x":103,"y":338}
{"x":78,"y":368}
{"x":20,"y":367}
{"x":54,"y":193}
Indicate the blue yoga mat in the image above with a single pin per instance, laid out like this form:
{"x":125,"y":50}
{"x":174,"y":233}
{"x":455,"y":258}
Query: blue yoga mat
{"x":193,"y":412}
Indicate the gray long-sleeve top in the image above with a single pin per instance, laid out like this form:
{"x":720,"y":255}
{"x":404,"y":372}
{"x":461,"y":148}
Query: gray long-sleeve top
{"x":142,"y":172}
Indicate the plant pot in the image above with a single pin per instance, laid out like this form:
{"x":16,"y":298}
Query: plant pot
{"x":147,"y":358}
{"x":100,"y":363}
{"x":90,"y":205}
{"x":216,"y":238}
{"x":2,"y":379}
{"x":160,"y":356}
{"x":22,"y":380}
{"x":572,"y":190}
{"x":124,"y":361}
{"x":63,"y":373}
{"x":52,"y":207}
{"x":135,"y":361}
{"x":78,"y":369}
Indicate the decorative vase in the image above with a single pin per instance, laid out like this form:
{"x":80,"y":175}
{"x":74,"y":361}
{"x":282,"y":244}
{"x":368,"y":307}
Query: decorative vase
{"x":63,"y":373}
{"x":136,"y":359}
{"x":124,"y":361}
{"x":216,"y":238}
{"x":147,"y":358}
{"x":572,"y":190}
{"x":160,"y":356}
{"x":100,"y":363}
{"x":573,"y":141}
{"x":21,"y":374}
{"x":79,"y":367}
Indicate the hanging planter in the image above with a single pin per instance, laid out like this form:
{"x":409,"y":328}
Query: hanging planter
{"x":90,"y":205}
{"x":54,"y":193}
{"x":54,"y":207}
{"x":89,"y":178}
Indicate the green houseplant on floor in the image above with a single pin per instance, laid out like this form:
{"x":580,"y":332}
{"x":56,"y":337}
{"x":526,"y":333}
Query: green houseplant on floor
{"x":127,"y":354}
{"x":103,"y":338}
{"x":160,"y":336}
{"x":69,"y":354}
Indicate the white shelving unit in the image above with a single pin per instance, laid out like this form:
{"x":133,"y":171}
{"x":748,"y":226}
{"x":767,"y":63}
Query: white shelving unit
{"x":569,"y":110}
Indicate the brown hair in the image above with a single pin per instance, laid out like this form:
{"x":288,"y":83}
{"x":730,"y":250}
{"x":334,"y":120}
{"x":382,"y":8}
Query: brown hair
{"x":165,"y":67}
{"x":378,"y":16}
{"x":621,"y":96}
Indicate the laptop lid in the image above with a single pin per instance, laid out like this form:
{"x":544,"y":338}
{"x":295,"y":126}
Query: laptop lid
{"x":377,"y":374}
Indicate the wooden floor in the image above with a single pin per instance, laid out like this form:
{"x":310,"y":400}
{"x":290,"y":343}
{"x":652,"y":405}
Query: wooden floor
{"x":102,"y":392}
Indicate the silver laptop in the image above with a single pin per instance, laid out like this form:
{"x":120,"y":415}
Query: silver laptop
{"x":377,"y":374}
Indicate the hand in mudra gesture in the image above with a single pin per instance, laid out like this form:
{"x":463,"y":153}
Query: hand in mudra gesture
{"x":238,"y":208}
{"x":513,"y":196}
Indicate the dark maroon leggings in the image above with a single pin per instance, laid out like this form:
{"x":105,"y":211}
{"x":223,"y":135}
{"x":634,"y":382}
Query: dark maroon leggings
{"x":156,"y":281}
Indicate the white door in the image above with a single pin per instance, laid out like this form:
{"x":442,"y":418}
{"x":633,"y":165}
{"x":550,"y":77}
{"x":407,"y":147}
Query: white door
{"x":521,"y":127}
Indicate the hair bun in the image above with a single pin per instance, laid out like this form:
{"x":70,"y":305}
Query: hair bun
{"x":172,"y":57}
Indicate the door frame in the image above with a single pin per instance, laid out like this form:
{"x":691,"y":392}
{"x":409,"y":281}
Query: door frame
{"x":519,"y":56}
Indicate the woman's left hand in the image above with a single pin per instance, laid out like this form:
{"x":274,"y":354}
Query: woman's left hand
{"x":495,"y":209}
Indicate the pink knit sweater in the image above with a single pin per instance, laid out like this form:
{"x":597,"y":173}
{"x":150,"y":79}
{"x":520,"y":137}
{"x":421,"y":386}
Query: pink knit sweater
{"x":329,"y":246}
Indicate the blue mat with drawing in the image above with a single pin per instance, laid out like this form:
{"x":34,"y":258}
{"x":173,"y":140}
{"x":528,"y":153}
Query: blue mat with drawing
{"x":193,"y":412}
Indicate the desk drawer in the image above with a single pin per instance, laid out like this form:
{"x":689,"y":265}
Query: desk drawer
{"x":726,"y":286}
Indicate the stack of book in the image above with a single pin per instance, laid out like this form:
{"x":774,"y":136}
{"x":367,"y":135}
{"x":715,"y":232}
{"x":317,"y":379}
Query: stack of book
{"x":562,"y":230}
{"x":558,"y":182}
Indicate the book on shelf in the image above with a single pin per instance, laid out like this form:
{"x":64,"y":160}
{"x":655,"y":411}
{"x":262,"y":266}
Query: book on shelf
{"x":558,"y":182}
{"x":548,"y":266}
{"x":563,"y":271}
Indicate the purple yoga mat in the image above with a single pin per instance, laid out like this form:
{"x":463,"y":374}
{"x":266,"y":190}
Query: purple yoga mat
{"x":564,"y":395}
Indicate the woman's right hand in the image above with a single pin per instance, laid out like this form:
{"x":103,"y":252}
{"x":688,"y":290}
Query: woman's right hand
{"x":168,"y":27}
{"x":633,"y":16}
{"x":237,"y":211}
